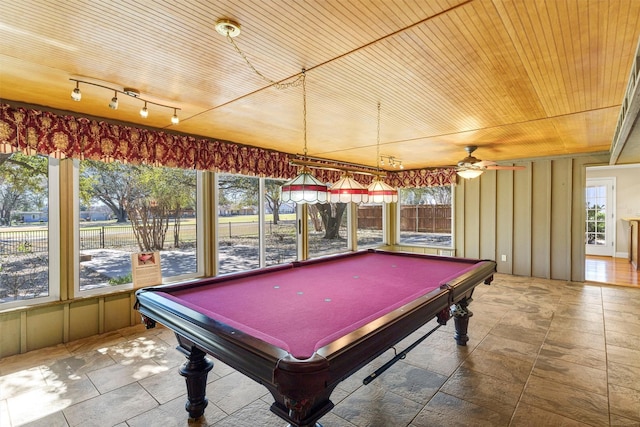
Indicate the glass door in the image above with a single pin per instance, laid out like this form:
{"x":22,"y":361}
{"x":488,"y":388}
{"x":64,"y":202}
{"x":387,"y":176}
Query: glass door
{"x":599,"y":227}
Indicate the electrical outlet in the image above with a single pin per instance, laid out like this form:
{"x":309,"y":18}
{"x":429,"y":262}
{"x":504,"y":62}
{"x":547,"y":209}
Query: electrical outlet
{"x":504,"y":258}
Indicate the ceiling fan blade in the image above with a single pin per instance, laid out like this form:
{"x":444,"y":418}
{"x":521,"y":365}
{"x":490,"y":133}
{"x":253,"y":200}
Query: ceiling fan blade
{"x":510,"y":168}
{"x":484,"y":163}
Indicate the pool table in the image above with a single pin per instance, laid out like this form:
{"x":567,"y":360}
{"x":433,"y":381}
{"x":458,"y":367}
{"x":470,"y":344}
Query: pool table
{"x":301,"y":328}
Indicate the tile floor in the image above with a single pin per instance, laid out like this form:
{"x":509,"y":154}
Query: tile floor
{"x":542,"y":353}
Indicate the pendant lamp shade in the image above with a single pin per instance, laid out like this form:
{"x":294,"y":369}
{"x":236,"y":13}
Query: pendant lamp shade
{"x":381,"y":192}
{"x":347,"y":190}
{"x":304,"y":188}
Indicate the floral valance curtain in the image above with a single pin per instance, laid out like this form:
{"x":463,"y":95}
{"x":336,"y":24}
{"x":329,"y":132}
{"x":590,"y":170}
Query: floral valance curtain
{"x":32,"y":131}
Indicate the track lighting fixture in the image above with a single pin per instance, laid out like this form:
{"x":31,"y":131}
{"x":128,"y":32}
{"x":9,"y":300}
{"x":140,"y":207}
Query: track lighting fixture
{"x":76,"y":95}
{"x":114,"y":102}
{"x":144,"y":112}
{"x":391,"y":161}
{"x":380,"y":191}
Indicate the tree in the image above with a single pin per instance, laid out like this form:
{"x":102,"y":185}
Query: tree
{"x":439,"y":195}
{"x":164,"y":194}
{"x":113,"y":184}
{"x":331,"y":214}
{"x":148,"y":196}
{"x":240,"y":191}
{"x":272,"y":195}
{"x":22,"y":184}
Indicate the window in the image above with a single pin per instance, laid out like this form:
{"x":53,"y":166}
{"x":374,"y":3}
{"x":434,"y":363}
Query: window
{"x":328,"y":230}
{"x":29,"y":230}
{"x":254,"y":229}
{"x":238,"y":223}
{"x":426,"y":216}
{"x":370,"y":226}
{"x":280,"y":226}
{"x":124,"y":209}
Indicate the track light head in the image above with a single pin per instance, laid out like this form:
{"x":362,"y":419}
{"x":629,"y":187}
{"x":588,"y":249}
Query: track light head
{"x":144,"y":112}
{"x":174,"y":119}
{"x":76,"y":95}
{"x":114,"y":101}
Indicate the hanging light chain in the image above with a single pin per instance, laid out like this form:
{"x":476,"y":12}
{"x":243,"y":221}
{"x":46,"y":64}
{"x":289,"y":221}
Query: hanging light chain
{"x":297,"y":82}
{"x":304,"y":109}
{"x":378,"y":139}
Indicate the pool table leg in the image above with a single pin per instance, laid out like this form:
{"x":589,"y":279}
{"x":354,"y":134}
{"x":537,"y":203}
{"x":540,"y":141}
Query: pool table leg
{"x":461,"y":315}
{"x":195,"y":371}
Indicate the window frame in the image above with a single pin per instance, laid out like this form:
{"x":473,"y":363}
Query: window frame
{"x":77,"y":292}
{"x":451,"y":247}
{"x":53,"y":242}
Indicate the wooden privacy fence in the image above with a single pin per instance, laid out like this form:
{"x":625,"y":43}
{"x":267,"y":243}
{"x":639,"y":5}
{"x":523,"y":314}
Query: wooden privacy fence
{"x":413,"y":218}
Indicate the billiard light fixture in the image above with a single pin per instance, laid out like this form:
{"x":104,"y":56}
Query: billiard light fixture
{"x":304,"y":188}
{"x":348,"y":190}
{"x":76,"y":95}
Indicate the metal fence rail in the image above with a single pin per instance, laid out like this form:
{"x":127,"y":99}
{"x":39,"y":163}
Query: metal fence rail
{"x":16,"y":242}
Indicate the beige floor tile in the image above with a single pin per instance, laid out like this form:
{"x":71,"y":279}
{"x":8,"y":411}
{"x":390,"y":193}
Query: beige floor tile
{"x":569,"y":324}
{"x":41,"y":402}
{"x":76,"y":365}
{"x":579,"y":311}
{"x":28,"y":360}
{"x":509,"y":348}
{"x":628,"y":305}
{"x":449,"y":411}
{"x":624,"y":402}
{"x":618,"y":421}
{"x":111,"y":408}
{"x":575,"y":339}
{"x":376,"y":405}
{"x":410,"y":382}
{"x":523,"y":334}
{"x":622,"y":339}
{"x":530,"y":416}
{"x":624,"y":375}
{"x":510,"y":369}
{"x":96,"y":342}
{"x":21,"y":382}
{"x":571,"y":374}
{"x":438,"y":360}
{"x":580,"y":355}
{"x":333,"y":420}
{"x":483,"y":390}
{"x":625,"y":356}
{"x":4,"y":413}
{"x":577,"y":404}
{"x":113,"y":377}
{"x":165,"y":386}
{"x":56,"y":419}
{"x":623,"y":327}
{"x":173,"y":414}
{"x":232,"y":392}
{"x":516,"y":318}
{"x":576,"y":347}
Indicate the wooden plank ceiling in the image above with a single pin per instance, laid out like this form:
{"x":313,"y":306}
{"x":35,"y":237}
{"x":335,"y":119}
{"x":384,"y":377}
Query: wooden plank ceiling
{"x":519,"y":78}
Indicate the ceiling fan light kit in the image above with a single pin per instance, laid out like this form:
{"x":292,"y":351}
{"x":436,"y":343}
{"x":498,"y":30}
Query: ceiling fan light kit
{"x":471,"y":167}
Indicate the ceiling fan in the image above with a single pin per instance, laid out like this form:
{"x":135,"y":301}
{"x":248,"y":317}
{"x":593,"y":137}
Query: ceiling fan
{"x":472,"y":167}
